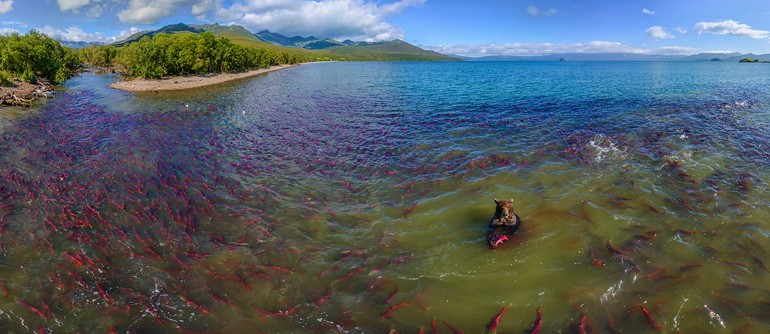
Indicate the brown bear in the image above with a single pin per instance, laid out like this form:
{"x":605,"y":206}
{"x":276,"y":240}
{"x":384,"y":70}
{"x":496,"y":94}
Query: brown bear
{"x":503,"y":224}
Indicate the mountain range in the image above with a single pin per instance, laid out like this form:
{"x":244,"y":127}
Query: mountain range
{"x":310,"y":43}
{"x":322,"y":48}
{"x":727,"y":57}
{"x":327,"y":48}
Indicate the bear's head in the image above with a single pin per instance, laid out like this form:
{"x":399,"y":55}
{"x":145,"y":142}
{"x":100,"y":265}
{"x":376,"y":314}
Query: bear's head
{"x":504,"y":209}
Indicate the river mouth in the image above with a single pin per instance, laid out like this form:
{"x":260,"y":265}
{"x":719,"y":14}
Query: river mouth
{"x":355,"y":198}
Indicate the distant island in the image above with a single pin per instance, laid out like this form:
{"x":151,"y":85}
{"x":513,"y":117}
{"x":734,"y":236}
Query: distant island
{"x":752,"y":60}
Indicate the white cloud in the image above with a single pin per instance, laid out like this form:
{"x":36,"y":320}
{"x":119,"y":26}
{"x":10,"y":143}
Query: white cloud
{"x":534,"y":11}
{"x":8,"y":31}
{"x":658,"y":32}
{"x":538,"y":49}
{"x":203,"y":7}
{"x":674,"y":50}
{"x":71,"y":34}
{"x":647,"y":11}
{"x":76,"y":6}
{"x":148,"y":11}
{"x":720,"y":51}
{"x":14,"y":23}
{"x":355,"y":19}
{"x":535,"y":49}
{"x":73,"y":5}
{"x":6,"y":6}
{"x":122,"y":35}
{"x":681,"y":30}
{"x":151,"y":11}
{"x":95,"y":11}
{"x":76,"y":34}
{"x":730,"y":27}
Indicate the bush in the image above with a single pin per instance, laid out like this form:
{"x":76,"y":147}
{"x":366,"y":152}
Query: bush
{"x":98,"y":56}
{"x":29,"y":76}
{"x":5,"y":78}
{"x":165,"y":54}
{"x":35,"y":54}
{"x":62,"y":74}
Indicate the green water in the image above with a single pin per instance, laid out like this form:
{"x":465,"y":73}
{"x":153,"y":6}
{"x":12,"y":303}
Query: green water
{"x":299,"y":201}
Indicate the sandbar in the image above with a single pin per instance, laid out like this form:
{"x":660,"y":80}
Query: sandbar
{"x":188,"y":82}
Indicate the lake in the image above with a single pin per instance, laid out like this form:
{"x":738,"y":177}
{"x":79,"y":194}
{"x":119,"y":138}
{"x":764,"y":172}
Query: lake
{"x":354,"y":198}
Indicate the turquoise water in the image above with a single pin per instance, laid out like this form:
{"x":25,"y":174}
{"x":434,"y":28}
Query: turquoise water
{"x":354,"y":198}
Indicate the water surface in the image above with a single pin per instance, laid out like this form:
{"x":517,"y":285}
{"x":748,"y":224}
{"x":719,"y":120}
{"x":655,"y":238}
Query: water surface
{"x":318,"y":198}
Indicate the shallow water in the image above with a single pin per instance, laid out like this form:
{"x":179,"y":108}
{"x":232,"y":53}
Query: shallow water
{"x":315,"y":198}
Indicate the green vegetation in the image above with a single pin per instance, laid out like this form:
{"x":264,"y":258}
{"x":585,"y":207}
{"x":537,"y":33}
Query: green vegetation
{"x":5,"y":78}
{"x":181,"y":50}
{"x":35,"y":55}
{"x":295,"y":52}
{"x":97,"y":55}
{"x":395,"y":50}
{"x":309,"y":49}
{"x":752,"y":60}
{"x":183,"y":54}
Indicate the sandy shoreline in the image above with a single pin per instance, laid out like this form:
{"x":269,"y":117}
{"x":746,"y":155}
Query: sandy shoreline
{"x":188,"y":82}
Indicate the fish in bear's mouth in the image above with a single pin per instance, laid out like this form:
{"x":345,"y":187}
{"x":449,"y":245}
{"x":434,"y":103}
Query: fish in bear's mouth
{"x":496,"y":240}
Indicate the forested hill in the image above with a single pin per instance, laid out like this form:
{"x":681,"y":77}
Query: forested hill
{"x":306,"y":47}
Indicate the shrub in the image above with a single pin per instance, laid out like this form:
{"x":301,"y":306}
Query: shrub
{"x":35,"y":54}
{"x":165,"y":54}
{"x":5,"y":78}
{"x":62,"y":75}
{"x":29,"y":76}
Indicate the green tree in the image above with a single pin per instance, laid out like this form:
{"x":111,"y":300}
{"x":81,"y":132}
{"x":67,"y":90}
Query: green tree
{"x":34,"y":55}
{"x":97,"y":55}
{"x":181,"y":54}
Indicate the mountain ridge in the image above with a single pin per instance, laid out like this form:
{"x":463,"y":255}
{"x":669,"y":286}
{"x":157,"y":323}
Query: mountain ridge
{"x":400,"y":50}
{"x":394,"y":50}
{"x":310,"y":43}
{"x":726,"y":57}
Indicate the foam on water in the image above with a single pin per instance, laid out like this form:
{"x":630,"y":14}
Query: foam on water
{"x":603,"y":149}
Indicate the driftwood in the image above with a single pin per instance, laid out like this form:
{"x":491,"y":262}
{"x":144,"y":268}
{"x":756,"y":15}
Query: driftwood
{"x":24,"y":94}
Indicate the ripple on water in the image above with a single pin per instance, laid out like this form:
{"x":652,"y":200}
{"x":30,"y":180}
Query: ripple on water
{"x":296,"y":203}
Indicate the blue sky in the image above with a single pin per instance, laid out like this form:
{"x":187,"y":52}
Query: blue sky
{"x":480,"y":27}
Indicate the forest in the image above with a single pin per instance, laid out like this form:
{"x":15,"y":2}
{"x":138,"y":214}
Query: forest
{"x":182,"y":54}
{"x":34,"y":55}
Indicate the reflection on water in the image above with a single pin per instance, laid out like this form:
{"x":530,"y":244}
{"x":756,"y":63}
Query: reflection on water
{"x":353,"y":197}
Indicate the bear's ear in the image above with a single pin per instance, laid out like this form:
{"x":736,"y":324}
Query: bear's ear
{"x":497,"y":201}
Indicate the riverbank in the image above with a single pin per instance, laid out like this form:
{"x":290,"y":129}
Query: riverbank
{"x":188,"y":82}
{"x":22,"y":93}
